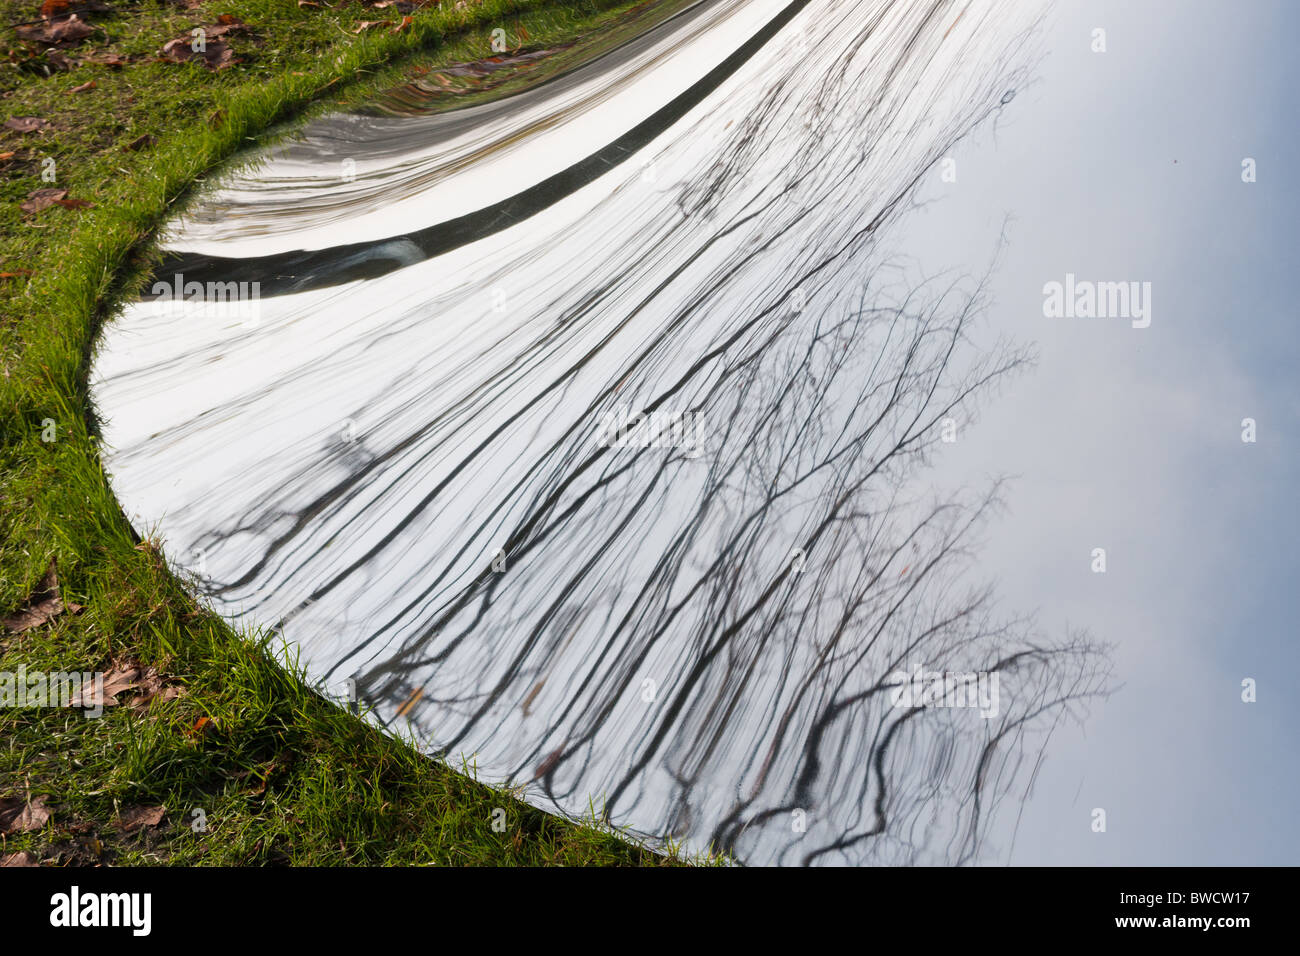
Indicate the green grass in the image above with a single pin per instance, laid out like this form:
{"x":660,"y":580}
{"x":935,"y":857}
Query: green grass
{"x":281,"y":775}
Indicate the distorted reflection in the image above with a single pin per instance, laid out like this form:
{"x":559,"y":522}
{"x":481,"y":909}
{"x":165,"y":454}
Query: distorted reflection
{"x":586,"y":430}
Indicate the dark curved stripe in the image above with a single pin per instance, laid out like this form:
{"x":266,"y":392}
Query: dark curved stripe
{"x":290,"y":272}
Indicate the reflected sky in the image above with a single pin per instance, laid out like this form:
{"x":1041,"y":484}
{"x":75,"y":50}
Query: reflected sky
{"x":1128,"y":165}
{"x":657,"y":495}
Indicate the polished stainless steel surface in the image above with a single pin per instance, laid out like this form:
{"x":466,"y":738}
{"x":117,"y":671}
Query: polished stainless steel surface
{"x":412,"y":445}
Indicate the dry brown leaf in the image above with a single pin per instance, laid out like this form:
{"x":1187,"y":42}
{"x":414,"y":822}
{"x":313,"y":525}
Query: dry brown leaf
{"x":70,"y":32}
{"x":113,"y":60}
{"x":120,"y":677}
{"x":66,"y":32}
{"x":26,"y":124}
{"x":45,"y":602}
{"x":37,"y":200}
{"x":178,"y":50}
{"x":74,"y":203}
{"x":150,"y":682}
{"x":88,"y":85}
{"x":22,"y":858}
{"x":216,"y":55}
{"x":367,"y":24}
{"x":135,"y":818}
{"x":23,"y":816}
{"x":406,"y":22}
{"x":161,"y":695}
{"x":227,"y":24}
{"x":59,"y":62}
{"x":148,"y":139}
{"x":6,"y":155}
{"x":150,"y":687}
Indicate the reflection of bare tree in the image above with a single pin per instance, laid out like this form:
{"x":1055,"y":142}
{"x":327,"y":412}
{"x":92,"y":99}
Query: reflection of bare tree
{"x":879,"y":593}
{"x":766,"y":590}
{"x":781,"y":668}
{"x":774,"y":585}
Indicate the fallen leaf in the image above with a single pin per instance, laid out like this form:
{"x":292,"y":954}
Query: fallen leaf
{"x":74,"y":203}
{"x":227,"y":24}
{"x":307,"y":3}
{"x":59,"y":62}
{"x":120,"y":677}
{"x":70,"y":32}
{"x":406,"y":22}
{"x":88,"y":85}
{"x":37,"y":200}
{"x":112,"y":60}
{"x":148,"y":139}
{"x":367,"y":24}
{"x":178,"y":50}
{"x":26,"y":124}
{"x":62,"y":33}
{"x":15,"y":274}
{"x":148,"y":684}
{"x":135,"y":818}
{"x":21,"y":858}
{"x":216,"y":55}
{"x":23,"y":816}
{"x":151,"y":688}
{"x":45,"y":602}
{"x":162,"y":695}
